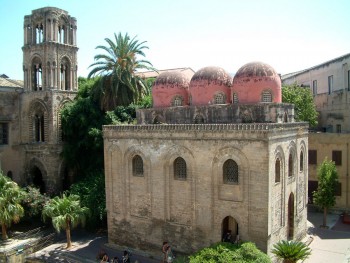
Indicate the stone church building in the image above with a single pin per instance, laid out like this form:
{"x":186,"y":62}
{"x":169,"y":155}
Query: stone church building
{"x":214,"y":154}
{"x":30,"y":137}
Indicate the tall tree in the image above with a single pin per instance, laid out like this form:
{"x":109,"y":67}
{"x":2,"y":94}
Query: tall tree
{"x":304,"y":106}
{"x":118,"y":83}
{"x":66,"y":213}
{"x":82,"y":122}
{"x":324,"y":196}
{"x":11,"y":209}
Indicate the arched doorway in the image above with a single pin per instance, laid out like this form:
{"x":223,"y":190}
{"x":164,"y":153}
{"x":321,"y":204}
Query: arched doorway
{"x":229,"y":225}
{"x":291,"y":216}
{"x":67,"y":179}
{"x":37,"y":179}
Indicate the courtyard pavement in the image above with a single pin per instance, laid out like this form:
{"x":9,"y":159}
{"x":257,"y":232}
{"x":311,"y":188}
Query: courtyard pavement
{"x":328,"y":245}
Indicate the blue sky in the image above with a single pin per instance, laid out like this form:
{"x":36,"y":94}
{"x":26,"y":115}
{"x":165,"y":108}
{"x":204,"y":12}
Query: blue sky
{"x":288,"y":35}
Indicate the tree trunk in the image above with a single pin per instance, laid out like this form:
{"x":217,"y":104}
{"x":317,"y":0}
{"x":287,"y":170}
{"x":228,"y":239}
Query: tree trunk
{"x":69,"y":241}
{"x":3,"y":231}
{"x":325,"y":216}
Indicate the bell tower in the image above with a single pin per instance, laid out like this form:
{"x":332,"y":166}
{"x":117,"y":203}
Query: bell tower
{"x":50,"y":80}
{"x":50,"y":50}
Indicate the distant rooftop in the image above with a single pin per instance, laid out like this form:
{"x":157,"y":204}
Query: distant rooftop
{"x":153,"y":74}
{"x":6,"y":82}
{"x":286,"y":76}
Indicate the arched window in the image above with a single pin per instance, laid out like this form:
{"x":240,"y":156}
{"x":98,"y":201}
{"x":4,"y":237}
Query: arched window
{"x":198,"y":119}
{"x":180,"y":170}
{"x":61,"y":34}
{"x":137,"y":166}
{"x":39,"y":128}
{"x":65,"y":74}
{"x":39,"y":33}
{"x":177,"y":101}
{"x":219,"y":98}
{"x":37,"y":77}
{"x":266,"y":96}
{"x":235,"y":98}
{"x":290,"y":165}
{"x":301,"y":161}
{"x":230,"y":172}
{"x":277,"y":171}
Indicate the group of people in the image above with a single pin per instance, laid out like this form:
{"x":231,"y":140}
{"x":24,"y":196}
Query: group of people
{"x":228,"y":238}
{"x":168,"y":256}
{"x":103,"y":257}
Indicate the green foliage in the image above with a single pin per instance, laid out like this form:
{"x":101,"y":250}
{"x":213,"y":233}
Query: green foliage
{"x":11,"y":210}
{"x":324,"y":196}
{"x":305,"y":109}
{"x":33,"y":201}
{"x":82,"y":122}
{"x":291,"y":251}
{"x":91,"y":190}
{"x":146,"y":102}
{"x":227,"y":253}
{"x":118,"y":84}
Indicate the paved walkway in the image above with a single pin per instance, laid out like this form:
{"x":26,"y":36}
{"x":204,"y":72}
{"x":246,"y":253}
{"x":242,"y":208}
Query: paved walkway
{"x":328,"y":245}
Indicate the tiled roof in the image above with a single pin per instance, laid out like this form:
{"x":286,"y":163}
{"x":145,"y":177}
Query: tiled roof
{"x":10,"y":83}
{"x":153,"y":74}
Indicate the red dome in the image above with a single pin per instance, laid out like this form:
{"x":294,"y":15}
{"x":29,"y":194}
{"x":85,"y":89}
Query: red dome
{"x":170,"y":89}
{"x":257,"y":82}
{"x":210,"y":85}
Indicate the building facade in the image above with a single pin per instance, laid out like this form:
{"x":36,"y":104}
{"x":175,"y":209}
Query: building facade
{"x":208,"y":159}
{"x":30,"y":116}
{"x":330,"y":84}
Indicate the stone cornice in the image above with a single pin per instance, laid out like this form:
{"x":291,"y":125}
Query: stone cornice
{"x":261,"y":127}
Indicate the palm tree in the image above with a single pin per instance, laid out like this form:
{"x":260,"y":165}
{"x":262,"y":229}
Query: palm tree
{"x":66,"y":213}
{"x":11,"y":209}
{"x":118,"y":83}
{"x":291,"y":251}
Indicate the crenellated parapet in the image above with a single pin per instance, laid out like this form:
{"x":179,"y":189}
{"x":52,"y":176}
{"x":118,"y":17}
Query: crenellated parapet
{"x":228,"y":113}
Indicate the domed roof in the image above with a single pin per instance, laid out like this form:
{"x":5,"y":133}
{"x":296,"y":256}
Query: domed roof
{"x":213,"y":74}
{"x":256,"y":69}
{"x":172,"y":79}
{"x":170,"y":86}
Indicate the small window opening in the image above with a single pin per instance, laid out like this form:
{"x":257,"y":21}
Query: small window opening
{"x":301,"y":161}
{"x":37,"y":76}
{"x":137,"y":166}
{"x":290,"y":165}
{"x":219,"y":98}
{"x":180,"y":169}
{"x":277,"y":171}
{"x":177,"y":101}
{"x":39,"y":34}
{"x":230,"y":172}
{"x":39,"y":128}
{"x":235,"y":98}
{"x":266,"y":96}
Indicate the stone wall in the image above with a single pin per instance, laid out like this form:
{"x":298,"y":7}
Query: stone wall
{"x":229,"y":113}
{"x":145,"y":211}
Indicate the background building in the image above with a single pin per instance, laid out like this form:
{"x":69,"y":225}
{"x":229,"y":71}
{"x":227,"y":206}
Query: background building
{"x":330,"y":85}
{"x":207,"y":159}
